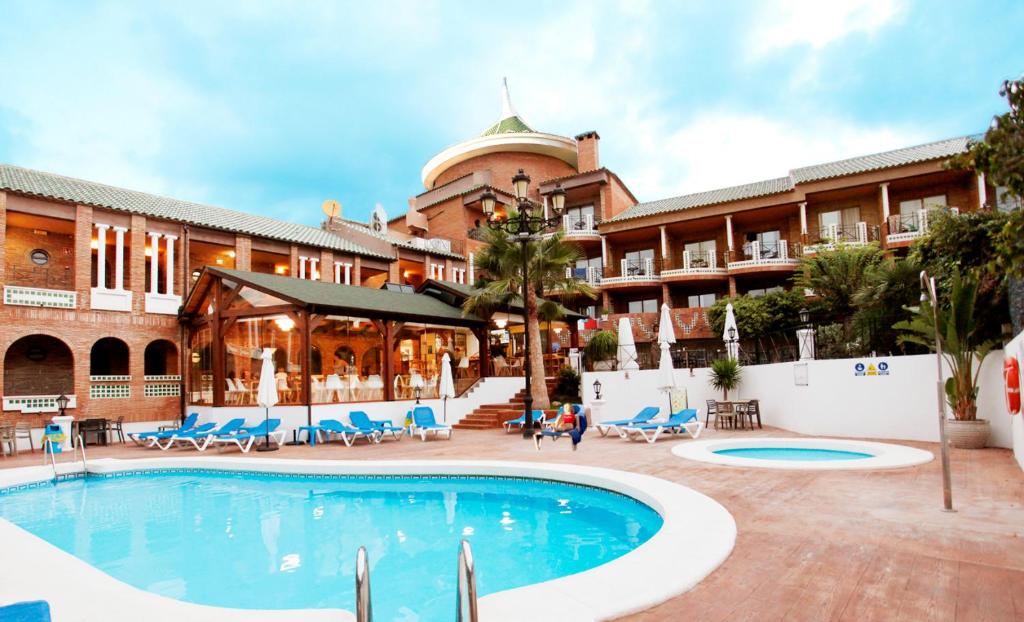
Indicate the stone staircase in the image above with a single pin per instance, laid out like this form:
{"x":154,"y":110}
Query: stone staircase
{"x":492,"y":416}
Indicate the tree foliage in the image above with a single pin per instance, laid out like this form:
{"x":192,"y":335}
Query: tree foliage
{"x":889,"y":288}
{"x":757,"y":317}
{"x":836,"y":276}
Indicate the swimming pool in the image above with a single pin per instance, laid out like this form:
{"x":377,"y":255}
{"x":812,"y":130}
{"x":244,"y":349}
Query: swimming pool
{"x":804,"y":453}
{"x":265,"y":541}
{"x":808,"y":454}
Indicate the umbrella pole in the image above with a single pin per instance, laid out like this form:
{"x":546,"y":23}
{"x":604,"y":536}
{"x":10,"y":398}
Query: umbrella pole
{"x":266,"y":446}
{"x":444,"y":416}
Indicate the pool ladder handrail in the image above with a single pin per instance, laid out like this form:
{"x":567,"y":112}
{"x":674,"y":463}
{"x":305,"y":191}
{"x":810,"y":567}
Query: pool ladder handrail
{"x":364,"y":608}
{"x":81,"y":445}
{"x":48,"y":444}
{"x":466,"y":590}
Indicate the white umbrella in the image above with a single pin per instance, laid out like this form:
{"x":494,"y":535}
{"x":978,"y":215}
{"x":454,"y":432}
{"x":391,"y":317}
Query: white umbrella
{"x":266,"y":394}
{"x":732,"y":345}
{"x":627,"y":346}
{"x":447,"y":388}
{"x":666,"y":374}
{"x":666,"y":333}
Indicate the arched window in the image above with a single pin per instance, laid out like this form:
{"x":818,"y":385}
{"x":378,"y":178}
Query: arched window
{"x":108,"y":357}
{"x":161,"y":358}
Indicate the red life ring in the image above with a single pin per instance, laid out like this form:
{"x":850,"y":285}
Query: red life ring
{"x":1011,"y":382}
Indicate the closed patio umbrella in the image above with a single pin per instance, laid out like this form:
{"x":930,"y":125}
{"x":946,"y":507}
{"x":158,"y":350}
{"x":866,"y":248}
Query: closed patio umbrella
{"x":627,"y":346}
{"x":732,"y":346}
{"x":666,"y":332}
{"x":266,"y":394}
{"x":447,"y":388}
{"x":666,"y":374}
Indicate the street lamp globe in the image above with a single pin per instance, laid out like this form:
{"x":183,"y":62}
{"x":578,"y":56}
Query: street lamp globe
{"x":805,"y":315}
{"x":487,"y":201}
{"x":521,"y":184}
{"x":557,"y":199}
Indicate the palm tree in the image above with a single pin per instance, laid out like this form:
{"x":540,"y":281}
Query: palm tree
{"x":889,"y":288}
{"x":835,"y":276}
{"x":548,"y":264}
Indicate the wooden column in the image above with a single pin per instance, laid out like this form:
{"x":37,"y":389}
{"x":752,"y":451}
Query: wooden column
{"x":485,"y":351}
{"x":307,"y":357}
{"x":389,"y":370}
{"x":217,"y":347}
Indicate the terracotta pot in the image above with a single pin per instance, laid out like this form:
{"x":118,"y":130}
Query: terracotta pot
{"x":967,"y":434}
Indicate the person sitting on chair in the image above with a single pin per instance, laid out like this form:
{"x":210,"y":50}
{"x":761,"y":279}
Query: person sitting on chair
{"x":567,"y":422}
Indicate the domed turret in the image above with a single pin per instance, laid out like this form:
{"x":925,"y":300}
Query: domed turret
{"x":510,"y":134}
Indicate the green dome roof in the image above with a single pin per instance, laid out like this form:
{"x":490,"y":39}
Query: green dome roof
{"x":508,"y":125}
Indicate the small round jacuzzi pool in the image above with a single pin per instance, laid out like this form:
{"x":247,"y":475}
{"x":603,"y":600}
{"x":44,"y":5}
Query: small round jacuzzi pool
{"x":802,"y":453}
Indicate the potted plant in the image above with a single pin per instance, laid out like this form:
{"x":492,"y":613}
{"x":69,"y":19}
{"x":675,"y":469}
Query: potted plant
{"x":726,"y":375}
{"x":601,"y":350}
{"x":963,"y":350}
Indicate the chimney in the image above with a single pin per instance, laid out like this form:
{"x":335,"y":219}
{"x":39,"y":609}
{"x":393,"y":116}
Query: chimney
{"x":586,"y":150}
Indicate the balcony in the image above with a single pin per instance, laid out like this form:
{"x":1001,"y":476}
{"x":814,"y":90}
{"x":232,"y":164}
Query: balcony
{"x":631,"y":272}
{"x":580,"y":227}
{"x":832,"y":236}
{"x":760,"y":257}
{"x":905,"y":228}
{"x":696,"y":266}
{"x":438,"y":245}
{"x":590,"y":275}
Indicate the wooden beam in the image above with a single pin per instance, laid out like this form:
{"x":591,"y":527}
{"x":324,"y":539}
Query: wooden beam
{"x":389,"y":370}
{"x":217,"y":347}
{"x":307,"y":351}
{"x":286,"y":309}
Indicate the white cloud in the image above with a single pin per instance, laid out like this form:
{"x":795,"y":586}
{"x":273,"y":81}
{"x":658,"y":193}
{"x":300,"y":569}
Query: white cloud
{"x":721,"y":148}
{"x":816,"y":23}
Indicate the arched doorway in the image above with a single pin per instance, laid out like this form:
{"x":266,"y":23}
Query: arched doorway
{"x":108,"y":357}
{"x":161,"y":358}
{"x":371,"y":361}
{"x":39,"y":365}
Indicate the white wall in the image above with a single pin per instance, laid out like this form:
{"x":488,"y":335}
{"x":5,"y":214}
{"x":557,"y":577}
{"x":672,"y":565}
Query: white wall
{"x":489,"y":391}
{"x":901,"y":405}
{"x":1016,"y":348}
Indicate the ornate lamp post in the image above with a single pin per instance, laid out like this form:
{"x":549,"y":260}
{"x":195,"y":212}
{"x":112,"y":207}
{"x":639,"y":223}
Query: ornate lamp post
{"x":525,"y":227}
{"x":62,"y":403}
{"x":805,"y":336}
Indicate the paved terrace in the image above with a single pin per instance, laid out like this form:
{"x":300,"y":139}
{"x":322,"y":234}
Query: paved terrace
{"x":827,"y":545}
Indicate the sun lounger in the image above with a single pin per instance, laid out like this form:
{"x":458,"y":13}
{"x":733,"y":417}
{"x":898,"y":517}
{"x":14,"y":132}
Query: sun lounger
{"x":246,"y":437}
{"x":424,"y":423}
{"x":683,"y":421}
{"x":140,"y":437}
{"x":538,"y":419}
{"x":575,"y":433}
{"x":361,"y":421}
{"x":202,"y":439}
{"x":644,"y":416}
{"x":348,"y":434}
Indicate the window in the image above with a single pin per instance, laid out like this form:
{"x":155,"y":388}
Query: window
{"x":701,"y":300}
{"x":636,"y":261}
{"x":845,"y":220}
{"x":39,"y":257}
{"x":578,"y":217}
{"x":649,"y":305}
{"x":757,"y":293}
{"x":911,"y":207}
{"x":768,"y":241}
{"x":582,"y":266}
{"x":700,"y":253}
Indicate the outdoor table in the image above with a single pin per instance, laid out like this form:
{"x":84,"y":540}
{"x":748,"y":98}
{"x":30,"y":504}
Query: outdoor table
{"x":310,"y":432}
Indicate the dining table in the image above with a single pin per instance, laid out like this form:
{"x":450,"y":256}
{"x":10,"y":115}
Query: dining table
{"x":736,"y":414}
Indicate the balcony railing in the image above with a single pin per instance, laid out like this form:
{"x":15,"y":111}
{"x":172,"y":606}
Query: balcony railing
{"x":443,"y":245}
{"x":575,"y":226}
{"x":633,"y":271}
{"x":903,"y":227}
{"x":591,"y":275}
{"x":764,"y":254}
{"x":696,"y":263}
{"x":830,"y":236}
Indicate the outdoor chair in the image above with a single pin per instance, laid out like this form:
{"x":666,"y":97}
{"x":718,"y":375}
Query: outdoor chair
{"x":378,"y":427}
{"x":24,"y":430}
{"x":202,"y":439}
{"x":644,"y":416}
{"x":537,"y":417}
{"x":575,"y":433}
{"x":116,"y":427}
{"x":683,"y":421}
{"x":8,"y":440}
{"x":712,"y":410}
{"x":754,"y":410}
{"x":97,"y":428}
{"x":247,"y":437}
{"x":425,"y":424}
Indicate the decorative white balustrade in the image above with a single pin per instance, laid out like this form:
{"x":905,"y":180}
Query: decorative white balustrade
{"x":31,"y":404}
{"x":774,"y":254}
{"x":912,"y":226}
{"x":39,"y":297}
{"x":579,"y":225}
{"x":695,"y":263}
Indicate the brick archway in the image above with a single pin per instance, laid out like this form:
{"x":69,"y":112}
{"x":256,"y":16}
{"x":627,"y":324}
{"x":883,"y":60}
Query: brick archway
{"x":109,"y":357}
{"x":39,"y":365}
{"x":160,"y":358}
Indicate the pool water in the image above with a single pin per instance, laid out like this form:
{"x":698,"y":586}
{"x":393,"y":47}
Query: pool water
{"x":804,"y":454}
{"x":259,"y":541}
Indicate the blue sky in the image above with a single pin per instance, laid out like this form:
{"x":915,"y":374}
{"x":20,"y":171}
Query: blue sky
{"x":272,"y":107}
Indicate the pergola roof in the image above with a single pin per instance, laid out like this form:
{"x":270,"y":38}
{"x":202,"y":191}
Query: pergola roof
{"x":332,"y":298}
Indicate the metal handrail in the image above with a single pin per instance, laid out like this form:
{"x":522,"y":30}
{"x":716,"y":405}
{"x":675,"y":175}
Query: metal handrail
{"x":81,"y":445}
{"x":364,"y":608}
{"x":53,"y":459}
{"x":466,"y":589}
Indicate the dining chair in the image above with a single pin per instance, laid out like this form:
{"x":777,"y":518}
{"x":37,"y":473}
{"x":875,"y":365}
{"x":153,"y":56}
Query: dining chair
{"x":116,"y":427}
{"x":8,"y":440}
{"x":712,"y":410}
{"x":24,"y":430}
{"x":754,"y":410}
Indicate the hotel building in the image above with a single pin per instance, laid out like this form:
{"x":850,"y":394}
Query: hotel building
{"x":138,"y":305}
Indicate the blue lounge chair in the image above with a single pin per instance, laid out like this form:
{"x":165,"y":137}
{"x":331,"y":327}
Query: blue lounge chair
{"x":644,"y":416}
{"x":686,"y":420}
{"x":200,"y":439}
{"x":361,"y":421}
{"x":28,"y":611}
{"x":576,"y":433}
{"x":139,"y":437}
{"x":538,"y":420}
{"x":348,"y":434}
{"x":424,"y":423}
{"x":246,"y":437}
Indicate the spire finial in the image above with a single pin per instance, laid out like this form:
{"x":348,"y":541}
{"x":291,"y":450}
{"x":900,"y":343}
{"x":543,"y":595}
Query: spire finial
{"x":506,"y":101}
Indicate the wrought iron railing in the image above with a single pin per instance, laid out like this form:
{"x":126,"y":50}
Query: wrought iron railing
{"x":858,"y":233}
{"x":633,"y":269}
